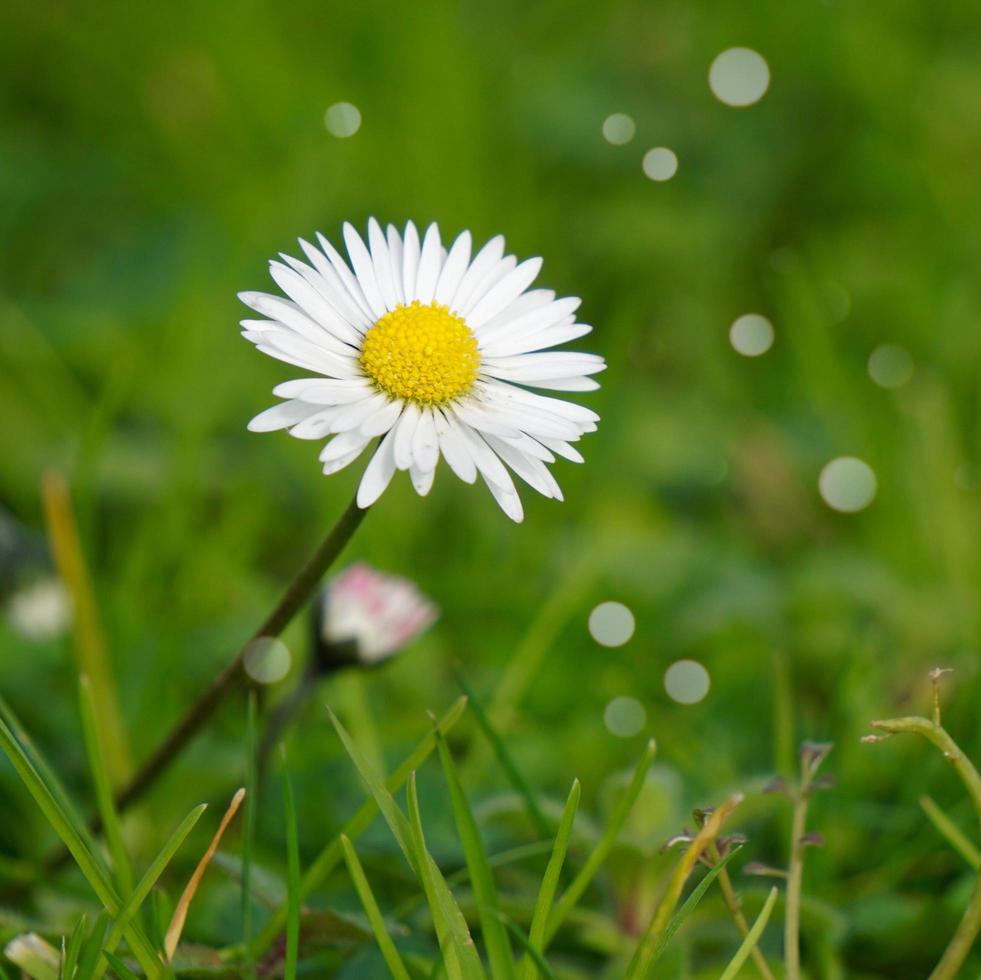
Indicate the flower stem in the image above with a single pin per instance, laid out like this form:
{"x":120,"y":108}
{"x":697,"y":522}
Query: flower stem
{"x":293,"y":599}
{"x":967,"y":931}
{"x":234,"y":675}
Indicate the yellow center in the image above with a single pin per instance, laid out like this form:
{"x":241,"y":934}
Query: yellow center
{"x":424,"y":354}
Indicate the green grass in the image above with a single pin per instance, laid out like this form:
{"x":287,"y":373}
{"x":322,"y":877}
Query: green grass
{"x":155,"y":159}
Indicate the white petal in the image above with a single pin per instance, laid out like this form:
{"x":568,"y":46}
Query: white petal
{"x":454,"y":449}
{"x":289,"y":316}
{"x":353,"y":416}
{"x":287,"y":345}
{"x":532,"y":471}
{"x":310,"y":301}
{"x":316,"y":426}
{"x":364,"y":269}
{"x":501,"y":393}
{"x":508,"y":500}
{"x":281,"y":416}
{"x":410,"y":261}
{"x":565,"y":384}
{"x":402,"y":448}
{"x":350,"y":283}
{"x":486,"y":460}
{"x":382,"y":420}
{"x":324,"y":391}
{"x":395,"y":256}
{"x":539,"y":340}
{"x":378,"y":473}
{"x":504,"y":268}
{"x":344,"y":444}
{"x":454,"y":269}
{"x":382,"y":263}
{"x":425,"y":445}
{"x":471,"y":411}
{"x":484,"y":260}
{"x":505,"y":292}
{"x":335,"y":465}
{"x":330,"y":285}
{"x":542,"y":367}
{"x":422,"y":480}
{"x":430,"y":262}
{"x":533,"y":301}
{"x":562,"y":449}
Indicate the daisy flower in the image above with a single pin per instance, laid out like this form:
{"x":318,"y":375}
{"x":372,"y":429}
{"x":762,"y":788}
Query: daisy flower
{"x":432,"y":350}
{"x":373,"y":613}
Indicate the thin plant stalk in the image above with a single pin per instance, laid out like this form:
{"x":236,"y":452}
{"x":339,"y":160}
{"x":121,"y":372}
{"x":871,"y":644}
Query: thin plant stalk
{"x":293,"y":599}
{"x":795,"y":879}
{"x":734,"y":906}
{"x":751,"y":939}
{"x":970,"y":925}
{"x":646,"y":950}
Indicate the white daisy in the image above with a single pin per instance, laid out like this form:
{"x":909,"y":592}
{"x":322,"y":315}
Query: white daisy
{"x":434,"y":351}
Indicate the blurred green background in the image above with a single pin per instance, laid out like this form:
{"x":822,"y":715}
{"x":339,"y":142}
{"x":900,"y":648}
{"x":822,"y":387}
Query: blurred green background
{"x":154,"y":157}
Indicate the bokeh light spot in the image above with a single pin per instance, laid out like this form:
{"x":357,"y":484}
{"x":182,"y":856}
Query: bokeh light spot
{"x":624,"y":717}
{"x":686,"y":681}
{"x":848,"y":484}
{"x":890,"y":366}
{"x":611,"y":624}
{"x":660,"y":163}
{"x":739,"y":77}
{"x":751,"y":335}
{"x":618,"y":128}
{"x":267,"y":660}
{"x":342,"y":119}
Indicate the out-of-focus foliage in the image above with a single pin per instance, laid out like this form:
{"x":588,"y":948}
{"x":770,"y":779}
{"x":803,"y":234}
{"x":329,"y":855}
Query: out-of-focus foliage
{"x":154,"y":156}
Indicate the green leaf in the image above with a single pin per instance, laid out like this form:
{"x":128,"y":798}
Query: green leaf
{"x":459,"y":954}
{"x":332,"y":854}
{"x":511,"y":771}
{"x":103,"y":786}
{"x":752,"y":938}
{"x":392,"y":958}
{"x":36,"y":957}
{"x":292,"y":877}
{"x":146,"y":883}
{"x":691,"y":903}
{"x":73,"y":835}
{"x":550,"y":881}
{"x":481,"y":876}
{"x":608,"y":838}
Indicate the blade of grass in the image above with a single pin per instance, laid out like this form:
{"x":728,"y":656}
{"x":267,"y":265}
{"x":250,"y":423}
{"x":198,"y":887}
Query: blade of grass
{"x":292,"y":876}
{"x":122,"y":971}
{"x":481,"y":877}
{"x":94,"y":749}
{"x":579,"y":884}
{"x":391,"y":955}
{"x":550,"y":882}
{"x":90,"y":644}
{"x":147,"y":882}
{"x":691,"y":903}
{"x":752,"y":938}
{"x":88,"y":957}
{"x":536,"y":957}
{"x":176,"y":927}
{"x":69,"y":961}
{"x":332,"y":854}
{"x":249,"y":818}
{"x":643,"y":958}
{"x":954,"y":836}
{"x":375,"y":783}
{"x":73,"y":836}
{"x":459,"y":954}
{"x":35,"y":956}
{"x":504,"y":759}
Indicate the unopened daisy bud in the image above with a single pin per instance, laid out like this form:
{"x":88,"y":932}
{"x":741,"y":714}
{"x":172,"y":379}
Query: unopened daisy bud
{"x":364,"y":617}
